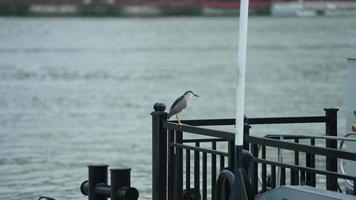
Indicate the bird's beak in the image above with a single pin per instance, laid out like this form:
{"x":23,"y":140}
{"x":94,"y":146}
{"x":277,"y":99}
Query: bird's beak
{"x":195,"y":95}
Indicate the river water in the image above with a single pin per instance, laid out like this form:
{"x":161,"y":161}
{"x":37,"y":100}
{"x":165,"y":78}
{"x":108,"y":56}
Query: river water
{"x":76,"y":91}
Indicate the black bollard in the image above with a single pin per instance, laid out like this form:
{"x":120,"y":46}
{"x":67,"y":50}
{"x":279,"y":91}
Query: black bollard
{"x":98,"y":174}
{"x":97,"y":188}
{"x":120,"y":185}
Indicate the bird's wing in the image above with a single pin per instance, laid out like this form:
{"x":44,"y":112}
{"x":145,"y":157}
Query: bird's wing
{"x":176,"y":102}
{"x":175,"y":108}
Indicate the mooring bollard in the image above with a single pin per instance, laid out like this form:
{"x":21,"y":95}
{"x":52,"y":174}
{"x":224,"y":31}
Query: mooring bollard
{"x":120,"y":185}
{"x":97,"y":188}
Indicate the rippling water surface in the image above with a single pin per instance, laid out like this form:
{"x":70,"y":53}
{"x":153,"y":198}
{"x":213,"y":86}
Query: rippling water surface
{"x":75,"y":91}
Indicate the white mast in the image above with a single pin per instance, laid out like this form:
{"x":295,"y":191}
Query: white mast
{"x":240,"y":99}
{"x":240,"y":89}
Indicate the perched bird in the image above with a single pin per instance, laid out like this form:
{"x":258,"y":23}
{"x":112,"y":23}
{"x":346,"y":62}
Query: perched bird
{"x":181,"y":103}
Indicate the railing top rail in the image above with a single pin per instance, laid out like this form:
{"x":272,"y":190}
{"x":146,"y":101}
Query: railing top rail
{"x":207,"y":122}
{"x":301,"y":147}
{"x":306,"y":169}
{"x":305,"y":136}
{"x":264,"y":120}
{"x":200,"y":131}
{"x":287,"y":120}
{"x":204,"y":140}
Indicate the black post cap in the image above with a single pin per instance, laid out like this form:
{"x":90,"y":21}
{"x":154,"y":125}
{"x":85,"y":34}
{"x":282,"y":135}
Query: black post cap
{"x":159,"y":107}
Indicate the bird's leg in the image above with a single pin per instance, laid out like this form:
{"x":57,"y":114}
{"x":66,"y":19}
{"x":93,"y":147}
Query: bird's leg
{"x":180,"y":124}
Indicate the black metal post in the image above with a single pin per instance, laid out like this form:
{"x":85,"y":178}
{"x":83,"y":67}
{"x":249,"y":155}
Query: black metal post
{"x":231,"y":157}
{"x":238,"y":182}
{"x":246,"y":132}
{"x":159,"y":152}
{"x":98,"y":174}
{"x":331,"y":162}
{"x":120,"y":185}
{"x":237,"y":163}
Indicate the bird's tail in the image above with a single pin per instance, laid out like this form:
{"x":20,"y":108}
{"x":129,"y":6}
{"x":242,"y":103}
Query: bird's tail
{"x":169,"y":115}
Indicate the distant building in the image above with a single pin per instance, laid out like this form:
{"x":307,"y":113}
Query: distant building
{"x":164,"y":4}
{"x":222,"y":4}
{"x":214,"y":3}
{"x":172,"y":7}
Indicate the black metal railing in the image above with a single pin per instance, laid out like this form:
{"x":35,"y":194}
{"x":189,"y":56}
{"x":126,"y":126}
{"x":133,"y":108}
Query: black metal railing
{"x":187,"y":168}
{"x":304,"y":175}
{"x":200,"y":150}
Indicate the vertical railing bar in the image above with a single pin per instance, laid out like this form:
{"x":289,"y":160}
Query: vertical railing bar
{"x":310,"y":162}
{"x":204,"y":177}
{"x":187,"y":169}
{"x":171,"y":165}
{"x":222,"y":162}
{"x":231,"y":152}
{"x":302,"y":177}
{"x":179,"y":180}
{"x":213,"y":170}
{"x":246,"y":132}
{"x":264,"y":170}
{"x":175,"y":161}
{"x":175,"y":171}
{"x":331,"y":162}
{"x":354,"y":192}
{"x":292,"y":176}
{"x":273,"y":174}
{"x":313,"y":175}
{"x":295,"y":173}
{"x":296,"y":162}
{"x":254,"y":151}
{"x":283,"y":176}
{"x":197,"y":169}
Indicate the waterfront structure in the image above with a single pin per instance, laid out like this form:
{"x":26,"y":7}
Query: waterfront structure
{"x":184,"y":167}
{"x":175,"y":7}
{"x":128,"y":7}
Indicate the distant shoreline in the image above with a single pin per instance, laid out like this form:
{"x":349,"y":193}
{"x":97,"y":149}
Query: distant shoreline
{"x":277,"y":9}
{"x":114,"y":11}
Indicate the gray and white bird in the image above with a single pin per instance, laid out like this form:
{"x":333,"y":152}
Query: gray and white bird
{"x":180,"y":104}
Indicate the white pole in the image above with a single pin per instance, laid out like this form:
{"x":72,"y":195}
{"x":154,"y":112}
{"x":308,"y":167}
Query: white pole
{"x":240,"y":88}
{"x":240,"y":99}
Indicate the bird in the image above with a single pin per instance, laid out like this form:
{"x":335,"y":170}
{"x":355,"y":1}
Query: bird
{"x":180,"y":104}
